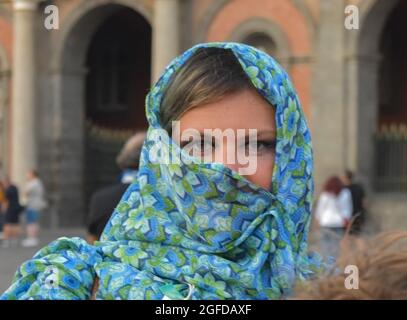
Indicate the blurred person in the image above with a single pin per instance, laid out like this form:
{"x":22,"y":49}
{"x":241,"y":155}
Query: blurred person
{"x":359,"y":205}
{"x":104,"y":201}
{"x":2,"y":207}
{"x":333,"y":213}
{"x":34,"y":193}
{"x":192,"y":229}
{"x":2,"y":193}
{"x":12,"y":210}
{"x":379,"y":267}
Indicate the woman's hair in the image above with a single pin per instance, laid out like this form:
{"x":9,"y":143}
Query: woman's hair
{"x":207,"y":76}
{"x":333,"y":185}
{"x":382,"y":270}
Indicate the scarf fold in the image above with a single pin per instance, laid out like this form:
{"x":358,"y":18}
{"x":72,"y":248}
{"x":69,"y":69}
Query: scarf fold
{"x":196,"y":230}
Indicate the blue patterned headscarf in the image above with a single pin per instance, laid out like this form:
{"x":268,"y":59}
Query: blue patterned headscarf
{"x":196,"y":230}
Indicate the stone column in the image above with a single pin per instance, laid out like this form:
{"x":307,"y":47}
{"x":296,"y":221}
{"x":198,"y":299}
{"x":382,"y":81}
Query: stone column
{"x":4,"y":125}
{"x":166,"y":39}
{"x":23,"y":133}
{"x":328,"y":109}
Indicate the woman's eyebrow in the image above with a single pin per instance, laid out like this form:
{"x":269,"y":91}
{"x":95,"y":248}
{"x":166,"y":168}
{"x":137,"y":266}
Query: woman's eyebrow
{"x":260,"y":133}
{"x":264,"y":133}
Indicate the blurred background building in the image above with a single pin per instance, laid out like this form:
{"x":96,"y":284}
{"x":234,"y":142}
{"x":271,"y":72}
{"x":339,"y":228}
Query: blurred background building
{"x":70,"y":97}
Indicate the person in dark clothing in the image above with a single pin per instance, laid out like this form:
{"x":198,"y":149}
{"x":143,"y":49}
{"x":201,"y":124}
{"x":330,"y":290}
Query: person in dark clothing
{"x":104,"y":201}
{"x":101,"y":207}
{"x":2,"y":207}
{"x":12,"y":213}
{"x":358,"y":200}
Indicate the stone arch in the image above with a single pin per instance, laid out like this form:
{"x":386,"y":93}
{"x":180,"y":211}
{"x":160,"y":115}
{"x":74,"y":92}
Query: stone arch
{"x":362,"y":61}
{"x":208,"y":18}
{"x":217,"y":6}
{"x":68,"y":79}
{"x":268,"y":28}
{"x":74,"y":21}
{"x":306,"y":13}
{"x":299,"y":37}
{"x":374,"y":14}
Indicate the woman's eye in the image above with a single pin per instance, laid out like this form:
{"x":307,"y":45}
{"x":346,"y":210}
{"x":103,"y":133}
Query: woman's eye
{"x":203,"y":147}
{"x":261,"y":146}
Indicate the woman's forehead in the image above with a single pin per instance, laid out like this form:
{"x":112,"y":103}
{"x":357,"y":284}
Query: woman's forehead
{"x":241,"y":110}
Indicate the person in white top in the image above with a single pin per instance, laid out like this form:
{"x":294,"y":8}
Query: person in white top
{"x":34,"y":193}
{"x":333,"y":212}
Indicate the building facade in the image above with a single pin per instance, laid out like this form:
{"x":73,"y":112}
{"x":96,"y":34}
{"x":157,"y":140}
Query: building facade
{"x":70,"y":96}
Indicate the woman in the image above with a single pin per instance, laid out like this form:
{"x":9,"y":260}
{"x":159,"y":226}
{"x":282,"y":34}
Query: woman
{"x":35,"y":203}
{"x":333,"y":212}
{"x":194,"y":229}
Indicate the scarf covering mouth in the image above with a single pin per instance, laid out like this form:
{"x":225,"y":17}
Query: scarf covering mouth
{"x":196,"y":230}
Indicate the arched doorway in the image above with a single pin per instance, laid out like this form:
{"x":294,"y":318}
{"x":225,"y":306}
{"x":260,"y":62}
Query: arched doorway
{"x":118,"y":63}
{"x":362,"y":64}
{"x":365,"y":63}
{"x":100,"y":75}
{"x":391,"y":138}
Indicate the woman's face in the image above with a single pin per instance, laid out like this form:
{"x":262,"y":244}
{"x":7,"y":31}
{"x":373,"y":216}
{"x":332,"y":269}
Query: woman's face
{"x":243,"y":110}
